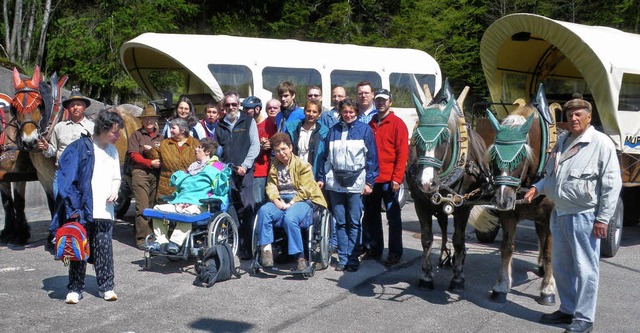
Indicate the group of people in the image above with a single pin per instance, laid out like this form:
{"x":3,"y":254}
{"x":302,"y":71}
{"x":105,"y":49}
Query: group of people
{"x":283,"y":162}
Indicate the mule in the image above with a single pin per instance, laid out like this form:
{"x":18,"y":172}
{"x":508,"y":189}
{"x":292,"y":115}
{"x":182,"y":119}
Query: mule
{"x":445,"y":170}
{"x":517,"y":159}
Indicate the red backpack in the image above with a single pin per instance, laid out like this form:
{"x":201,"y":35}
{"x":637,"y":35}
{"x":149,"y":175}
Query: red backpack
{"x":72,"y":243}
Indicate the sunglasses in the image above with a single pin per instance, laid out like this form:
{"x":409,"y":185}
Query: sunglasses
{"x":230,"y":104}
{"x":313,"y":95}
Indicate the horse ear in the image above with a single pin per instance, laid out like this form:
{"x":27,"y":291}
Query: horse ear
{"x":494,"y":122}
{"x":16,"y":78}
{"x":35,"y":80}
{"x":419,"y":107}
{"x":527,"y":125}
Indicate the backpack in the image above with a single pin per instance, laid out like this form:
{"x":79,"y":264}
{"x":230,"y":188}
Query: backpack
{"x":72,"y":243}
{"x":218,"y":264}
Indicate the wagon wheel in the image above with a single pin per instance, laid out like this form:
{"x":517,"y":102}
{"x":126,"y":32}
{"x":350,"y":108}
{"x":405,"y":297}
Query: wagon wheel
{"x":487,"y":236}
{"x":609,"y":245}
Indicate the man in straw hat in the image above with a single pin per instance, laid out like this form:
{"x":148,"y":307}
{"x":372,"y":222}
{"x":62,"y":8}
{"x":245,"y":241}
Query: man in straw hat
{"x":145,"y":169}
{"x":583,"y":180}
{"x":64,"y":133}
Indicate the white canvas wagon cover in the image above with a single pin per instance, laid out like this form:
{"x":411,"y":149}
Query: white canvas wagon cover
{"x":601,"y":56}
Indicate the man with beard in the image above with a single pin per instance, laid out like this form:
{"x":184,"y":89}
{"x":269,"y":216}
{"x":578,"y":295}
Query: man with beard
{"x":237,"y":134}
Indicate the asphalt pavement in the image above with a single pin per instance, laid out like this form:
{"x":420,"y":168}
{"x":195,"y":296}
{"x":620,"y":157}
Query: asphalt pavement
{"x":374,"y":299}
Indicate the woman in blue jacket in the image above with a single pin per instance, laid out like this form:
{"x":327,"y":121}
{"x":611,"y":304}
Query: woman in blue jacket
{"x":88,"y":183}
{"x":350,"y":170}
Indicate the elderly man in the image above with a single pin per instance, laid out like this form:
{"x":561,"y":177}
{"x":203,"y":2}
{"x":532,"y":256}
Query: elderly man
{"x":289,"y":109}
{"x":583,"y":180}
{"x":364,"y":90}
{"x":332,"y":117}
{"x":393,"y":151}
{"x":64,"y":133}
{"x":237,"y":134}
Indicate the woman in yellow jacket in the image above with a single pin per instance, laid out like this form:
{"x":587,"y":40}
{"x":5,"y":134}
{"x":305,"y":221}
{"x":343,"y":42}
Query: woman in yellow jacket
{"x":292,"y":193}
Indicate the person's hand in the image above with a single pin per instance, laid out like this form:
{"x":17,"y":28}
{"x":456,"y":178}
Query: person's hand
{"x":155,"y":164}
{"x":395,"y":186}
{"x":146,"y":147}
{"x":320,"y":183}
{"x":367,"y":190}
{"x":113,"y":197}
{"x":600,"y":229}
{"x":241,"y":171}
{"x":531,"y":193}
{"x":43,"y":144}
{"x":265,"y":144}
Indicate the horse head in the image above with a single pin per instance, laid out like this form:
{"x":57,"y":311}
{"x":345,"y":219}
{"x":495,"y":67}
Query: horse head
{"x":511,"y":157}
{"x":432,"y":142}
{"x":28,"y":108}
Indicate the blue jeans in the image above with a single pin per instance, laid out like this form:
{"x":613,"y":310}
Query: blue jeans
{"x":347,"y":210}
{"x":576,"y":266}
{"x":373,"y":239}
{"x":297,"y":217}
{"x":259,"y":184}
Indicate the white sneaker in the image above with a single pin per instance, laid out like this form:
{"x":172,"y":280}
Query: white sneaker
{"x":108,"y":295}
{"x":73,"y":297}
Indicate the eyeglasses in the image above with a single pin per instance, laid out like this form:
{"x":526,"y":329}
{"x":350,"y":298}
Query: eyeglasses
{"x":230,"y":105}
{"x":313,"y":95}
{"x":364,"y":93}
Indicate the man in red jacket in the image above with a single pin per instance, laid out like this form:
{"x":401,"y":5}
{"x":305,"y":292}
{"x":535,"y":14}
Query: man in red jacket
{"x":393,"y":148}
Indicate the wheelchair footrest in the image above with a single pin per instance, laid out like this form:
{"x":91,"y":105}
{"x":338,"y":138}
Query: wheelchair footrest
{"x":177,"y":217}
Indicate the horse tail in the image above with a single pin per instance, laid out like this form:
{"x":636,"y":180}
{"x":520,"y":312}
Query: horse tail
{"x":483,"y":219}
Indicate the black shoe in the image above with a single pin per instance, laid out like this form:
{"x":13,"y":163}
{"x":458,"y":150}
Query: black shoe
{"x":352,"y":268}
{"x":579,"y":326}
{"x":368,"y":255}
{"x":173,"y":248}
{"x":557,"y":317}
{"x":392,"y":259}
{"x":340,"y":267}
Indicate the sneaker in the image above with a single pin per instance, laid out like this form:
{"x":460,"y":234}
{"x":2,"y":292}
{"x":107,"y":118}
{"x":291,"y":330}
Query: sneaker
{"x":108,"y":295}
{"x":266,"y":258}
{"x":368,"y":255}
{"x":154,"y":247}
{"x":173,"y":248}
{"x":302,"y":264}
{"x":392,"y":259}
{"x":73,"y":297}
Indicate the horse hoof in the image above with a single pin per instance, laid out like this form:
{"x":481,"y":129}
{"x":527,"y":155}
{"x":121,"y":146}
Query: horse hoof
{"x":547,"y":300}
{"x":425,"y":285}
{"x":499,"y":297}
{"x":456,"y":286}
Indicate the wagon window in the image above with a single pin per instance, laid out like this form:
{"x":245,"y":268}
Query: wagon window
{"x":233,"y":78}
{"x":401,"y":86}
{"x":349,"y":80}
{"x":174,"y":81}
{"x":629,"y":99}
{"x":302,"y":78}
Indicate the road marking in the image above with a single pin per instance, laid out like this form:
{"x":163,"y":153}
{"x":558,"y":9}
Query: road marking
{"x":14,"y":269}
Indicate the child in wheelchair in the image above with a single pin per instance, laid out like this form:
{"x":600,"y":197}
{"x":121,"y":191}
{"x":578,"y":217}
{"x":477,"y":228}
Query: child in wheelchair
{"x":292,"y":193}
{"x":207,"y":177}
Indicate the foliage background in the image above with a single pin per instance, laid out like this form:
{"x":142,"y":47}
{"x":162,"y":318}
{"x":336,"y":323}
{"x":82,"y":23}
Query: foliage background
{"x":83,"y":36}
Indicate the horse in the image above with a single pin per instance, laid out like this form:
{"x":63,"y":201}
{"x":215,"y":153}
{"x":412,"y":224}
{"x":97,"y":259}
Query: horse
{"x":517,"y":159}
{"x":446,"y":169}
{"x":36,"y":110}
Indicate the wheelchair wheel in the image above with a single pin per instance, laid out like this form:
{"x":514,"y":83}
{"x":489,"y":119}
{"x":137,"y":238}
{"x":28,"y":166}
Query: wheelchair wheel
{"x":324,"y":256}
{"x":254,"y":237}
{"x":223,"y":229}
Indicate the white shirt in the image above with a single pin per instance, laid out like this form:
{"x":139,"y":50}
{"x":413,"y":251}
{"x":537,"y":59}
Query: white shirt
{"x":105,"y":181}
{"x":64,"y":133}
{"x":303,"y":142}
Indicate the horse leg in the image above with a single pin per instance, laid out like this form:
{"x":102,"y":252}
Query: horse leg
{"x":425,"y":216}
{"x":445,"y":254}
{"x":503,"y":285}
{"x":548,"y":286}
{"x":9,"y":212}
{"x":22,"y":231}
{"x":460,"y":218}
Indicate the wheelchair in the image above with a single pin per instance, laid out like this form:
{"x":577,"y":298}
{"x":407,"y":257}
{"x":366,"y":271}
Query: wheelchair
{"x":318,"y":247}
{"x":208,"y":229}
